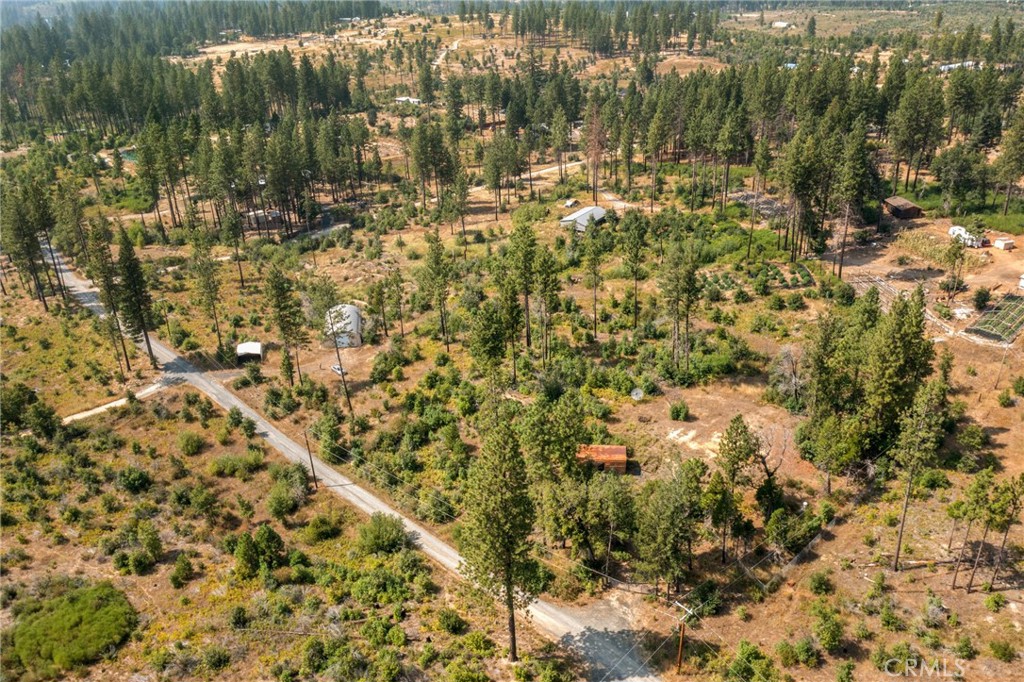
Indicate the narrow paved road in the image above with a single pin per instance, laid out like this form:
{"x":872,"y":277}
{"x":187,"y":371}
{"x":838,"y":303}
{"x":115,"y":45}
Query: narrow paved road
{"x":608,"y":645}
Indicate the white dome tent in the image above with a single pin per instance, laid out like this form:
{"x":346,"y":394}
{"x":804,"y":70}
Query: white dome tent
{"x":343,"y":326}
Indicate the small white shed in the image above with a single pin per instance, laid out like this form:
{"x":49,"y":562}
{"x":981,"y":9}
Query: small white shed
{"x":1004,"y":243}
{"x":344,"y":326}
{"x":249,"y":351}
{"x":1020,"y":284}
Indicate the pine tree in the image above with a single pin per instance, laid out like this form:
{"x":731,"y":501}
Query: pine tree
{"x":103,"y":272}
{"x":592,"y":256}
{"x":1010,"y":164}
{"x":206,"y":280}
{"x":21,"y":241}
{"x":134,"y":300}
{"x":435,"y":281}
{"x":559,"y":139}
{"x":286,"y":314}
{"x":634,"y":243}
{"x":976,"y":501}
{"x":487,"y":335}
{"x":854,"y":179}
{"x":521,"y":256}
{"x":247,"y":558}
{"x":921,"y":432}
{"x":499,"y":519}
{"x":720,"y":504}
{"x":681,"y":290}
{"x":548,"y":287}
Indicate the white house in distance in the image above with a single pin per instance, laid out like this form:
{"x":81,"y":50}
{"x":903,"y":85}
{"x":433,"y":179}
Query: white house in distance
{"x":415,"y":101}
{"x":781,"y":24}
{"x":344,"y":326}
{"x":581,"y":218}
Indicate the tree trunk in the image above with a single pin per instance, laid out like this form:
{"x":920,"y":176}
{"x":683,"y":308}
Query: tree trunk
{"x":842,"y":248}
{"x":753,"y":214}
{"x":526,"y":313}
{"x":344,"y":383}
{"x":513,"y":654}
{"x":149,"y":348}
{"x":977,"y":557}
{"x":903,"y":521}
{"x":963,"y":548}
{"x":999,"y":558}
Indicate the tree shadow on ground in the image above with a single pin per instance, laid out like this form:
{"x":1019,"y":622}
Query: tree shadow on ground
{"x":613,"y":654}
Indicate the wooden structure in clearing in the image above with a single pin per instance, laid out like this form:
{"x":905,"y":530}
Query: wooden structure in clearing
{"x":603,"y":457}
{"x":901,"y":208}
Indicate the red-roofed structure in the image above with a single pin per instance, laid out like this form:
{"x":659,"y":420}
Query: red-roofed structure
{"x":604,"y":457}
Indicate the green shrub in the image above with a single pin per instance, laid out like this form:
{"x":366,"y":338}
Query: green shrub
{"x":828,"y":628}
{"x":795,"y":301}
{"x":844,"y":671}
{"x":322,"y":527}
{"x":843,"y":293}
{"x":140,"y":562}
{"x":820,"y":583}
{"x":1018,"y":386}
{"x":890,"y":621}
{"x":964,"y":648}
{"x":375,"y":631}
{"x":679,"y":411}
{"x":216,"y":658}
{"x":704,"y":600}
{"x":787,"y":654}
{"x":282,"y":502}
{"x":478,"y":643}
{"x":981,"y":298}
{"x":451,"y":622}
{"x":239,"y":466}
{"x":183,"y":571}
{"x":807,"y":653}
{"x":72,"y":629}
{"x":238,"y":618}
{"x":190,"y":443}
{"x":134,"y":480}
{"x":382,"y":534}
{"x":1005,"y":398}
{"x":995,"y":602}
{"x":1002,"y":651}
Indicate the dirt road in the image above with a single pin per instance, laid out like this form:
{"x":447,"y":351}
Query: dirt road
{"x":605,"y":641}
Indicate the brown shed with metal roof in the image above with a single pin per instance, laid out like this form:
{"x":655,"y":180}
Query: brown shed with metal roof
{"x":901,"y":208}
{"x":604,"y":457}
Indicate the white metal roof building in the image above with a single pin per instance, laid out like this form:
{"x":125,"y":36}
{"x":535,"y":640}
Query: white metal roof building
{"x":344,"y":326}
{"x":581,"y":218}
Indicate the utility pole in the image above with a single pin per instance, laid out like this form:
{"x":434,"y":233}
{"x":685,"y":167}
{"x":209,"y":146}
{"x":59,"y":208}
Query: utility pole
{"x":682,"y":635}
{"x":679,"y":656}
